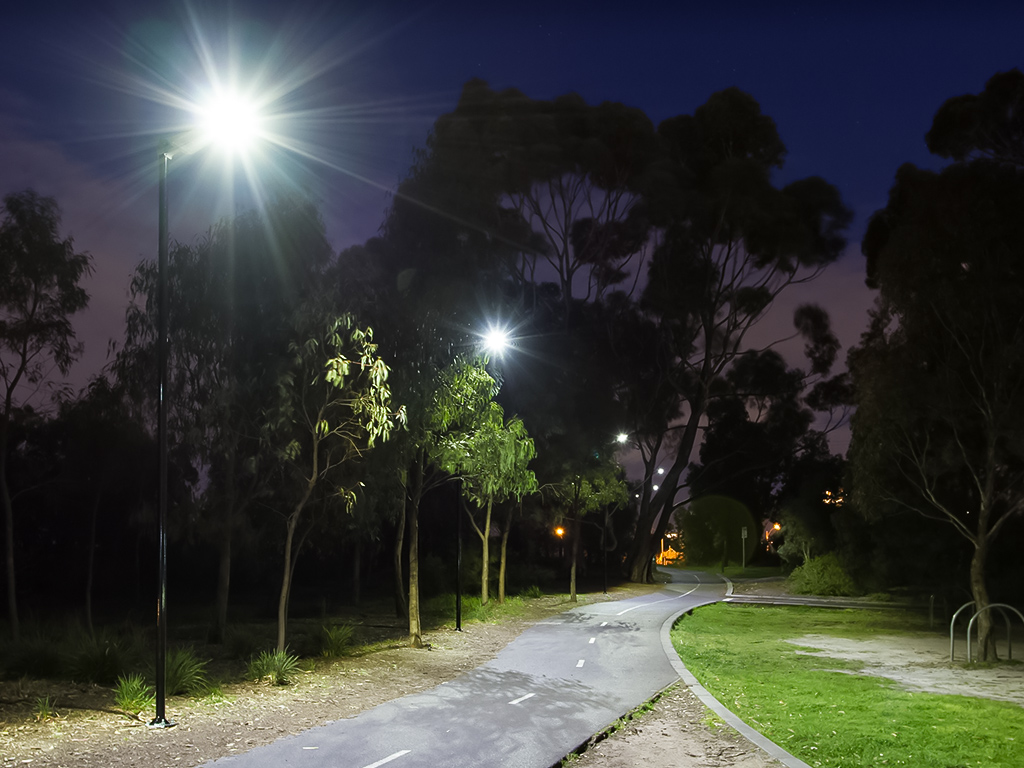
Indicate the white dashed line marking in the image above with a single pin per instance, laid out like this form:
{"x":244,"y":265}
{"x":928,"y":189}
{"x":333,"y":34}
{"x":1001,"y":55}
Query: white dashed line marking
{"x":604,"y":623}
{"x":579,"y":663}
{"x":592,"y":640}
{"x":522,"y":698}
{"x":388,"y":759}
{"x":655,"y":602}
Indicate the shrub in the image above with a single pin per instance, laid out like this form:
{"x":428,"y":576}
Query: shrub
{"x":186,"y":673}
{"x":132,"y":695}
{"x":100,"y":661}
{"x":277,"y":667}
{"x":532,"y":592}
{"x":444,"y":605}
{"x":46,"y":708}
{"x":336,"y":641}
{"x":241,"y":644}
{"x":822,"y":576}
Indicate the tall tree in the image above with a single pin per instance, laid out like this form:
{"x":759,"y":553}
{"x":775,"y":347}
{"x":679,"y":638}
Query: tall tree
{"x":940,"y":373}
{"x":730,"y":243}
{"x":492,"y":458}
{"x":40,"y":290}
{"x":988,"y":125}
{"x":333,"y":404}
{"x":597,"y":487}
{"x":231,"y":297}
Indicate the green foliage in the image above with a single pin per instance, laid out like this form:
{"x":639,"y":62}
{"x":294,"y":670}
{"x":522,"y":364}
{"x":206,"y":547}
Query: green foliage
{"x":939,"y":373}
{"x":45,"y":709}
{"x":823,"y":575}
{"x":186,"y":673}
{"x":102,"y":661}
{"x":133,"y":695}
{"x":276,"y":667}
{"x":532,"y":592}
{"x":491,"y":457}
{"x":712,"y":528}
{"x":820,"y":709}
{"x":336,"y":640}
{"x":473,"y":609}
{"x":242,"y":643}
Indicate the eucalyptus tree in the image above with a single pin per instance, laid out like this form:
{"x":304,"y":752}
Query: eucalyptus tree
{"x":492,"y":459}
{"x":40,"y":291}
{"x":988,"y":125}
{"x":729,"y":243}
{"x":231,"y":297}
{"x":423,"y":309}
{"x":333,"y":403}
{"x":939,"y":375}
{"x":101,"y":454}
{"x":599,"y":486}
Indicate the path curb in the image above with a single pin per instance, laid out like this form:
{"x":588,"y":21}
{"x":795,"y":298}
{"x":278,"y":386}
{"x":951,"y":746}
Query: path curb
{"x":754,"y":737}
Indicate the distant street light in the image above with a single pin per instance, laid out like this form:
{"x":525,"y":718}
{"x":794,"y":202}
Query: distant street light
{"x":227,"y":117}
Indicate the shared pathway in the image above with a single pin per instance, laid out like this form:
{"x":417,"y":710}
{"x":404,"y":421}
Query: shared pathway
{"x":550,"y":690}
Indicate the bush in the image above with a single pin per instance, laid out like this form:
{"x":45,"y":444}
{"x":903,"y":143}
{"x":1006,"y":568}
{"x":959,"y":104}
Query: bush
{"x":444,"y":606}
{"x":241,"y":644}
{"x":100,"y":661}
{"x":132,"y":696}
{"x":822,"y":576}
{"x":46,"y":709}
{"x":186,"y":673}
{"x":277,"y":667}
{"x":336,"y":641}
{"x":532,"y":592}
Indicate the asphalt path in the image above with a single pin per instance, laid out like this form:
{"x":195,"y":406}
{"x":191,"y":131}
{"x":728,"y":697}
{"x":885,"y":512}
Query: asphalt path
{"x":560,"y":682}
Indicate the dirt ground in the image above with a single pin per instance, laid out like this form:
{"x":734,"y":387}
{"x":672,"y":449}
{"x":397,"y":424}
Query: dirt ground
{"x":89,"y":733}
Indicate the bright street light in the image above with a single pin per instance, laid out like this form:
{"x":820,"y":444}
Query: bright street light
{"x":229,"y":121}
{"x":496,"y":340}
{"x":223,"y":125}
{"x":621,"y":438}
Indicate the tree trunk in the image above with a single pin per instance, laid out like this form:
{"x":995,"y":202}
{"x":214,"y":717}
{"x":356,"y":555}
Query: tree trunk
{"x":979,"y":591}
{"x":401,"y":606}
{"x":286,"y":578}
{"x":575,"y":557}
{"x":641,"y":552}
{"x":415,"y":630}
{"x":223,"y":588}
{"x":486,"y":536}
{"x":220,"y":621}
{"x":357,"y":574}
{"x":504,"y":550}
{"x":5,"y":493}
{"x":286,"y":583}
{"x":90,"y":566}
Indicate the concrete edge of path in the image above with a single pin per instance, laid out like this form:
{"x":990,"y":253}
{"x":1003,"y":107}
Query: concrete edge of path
{"x":709,"y":701}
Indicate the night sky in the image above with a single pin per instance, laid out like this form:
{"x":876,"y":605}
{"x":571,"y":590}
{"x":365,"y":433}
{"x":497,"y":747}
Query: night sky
{"x":87,"y":89}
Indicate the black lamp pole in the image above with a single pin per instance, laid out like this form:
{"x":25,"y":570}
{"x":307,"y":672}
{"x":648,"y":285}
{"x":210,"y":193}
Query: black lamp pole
{"x":458,"y":559}
{"x":160,"y":721}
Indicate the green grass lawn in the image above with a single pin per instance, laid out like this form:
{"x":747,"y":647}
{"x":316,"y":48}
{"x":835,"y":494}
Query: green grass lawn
{"x":818,"y":711}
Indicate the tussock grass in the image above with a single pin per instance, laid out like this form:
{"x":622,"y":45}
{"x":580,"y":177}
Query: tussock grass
{"x":817,"y":710}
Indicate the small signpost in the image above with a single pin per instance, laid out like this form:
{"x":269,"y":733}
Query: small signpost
{"x":743,"y":546}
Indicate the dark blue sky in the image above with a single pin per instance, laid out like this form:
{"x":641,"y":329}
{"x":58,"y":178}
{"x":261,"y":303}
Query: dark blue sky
{"x":851,"y":86}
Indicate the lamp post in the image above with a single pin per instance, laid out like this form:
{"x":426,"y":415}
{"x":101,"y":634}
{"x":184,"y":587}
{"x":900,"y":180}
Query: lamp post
{"x":229,"y":121}
{"x":160,"y":720}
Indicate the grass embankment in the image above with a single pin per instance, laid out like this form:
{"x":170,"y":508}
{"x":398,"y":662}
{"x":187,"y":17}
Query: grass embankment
{"x":820,"y":710}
